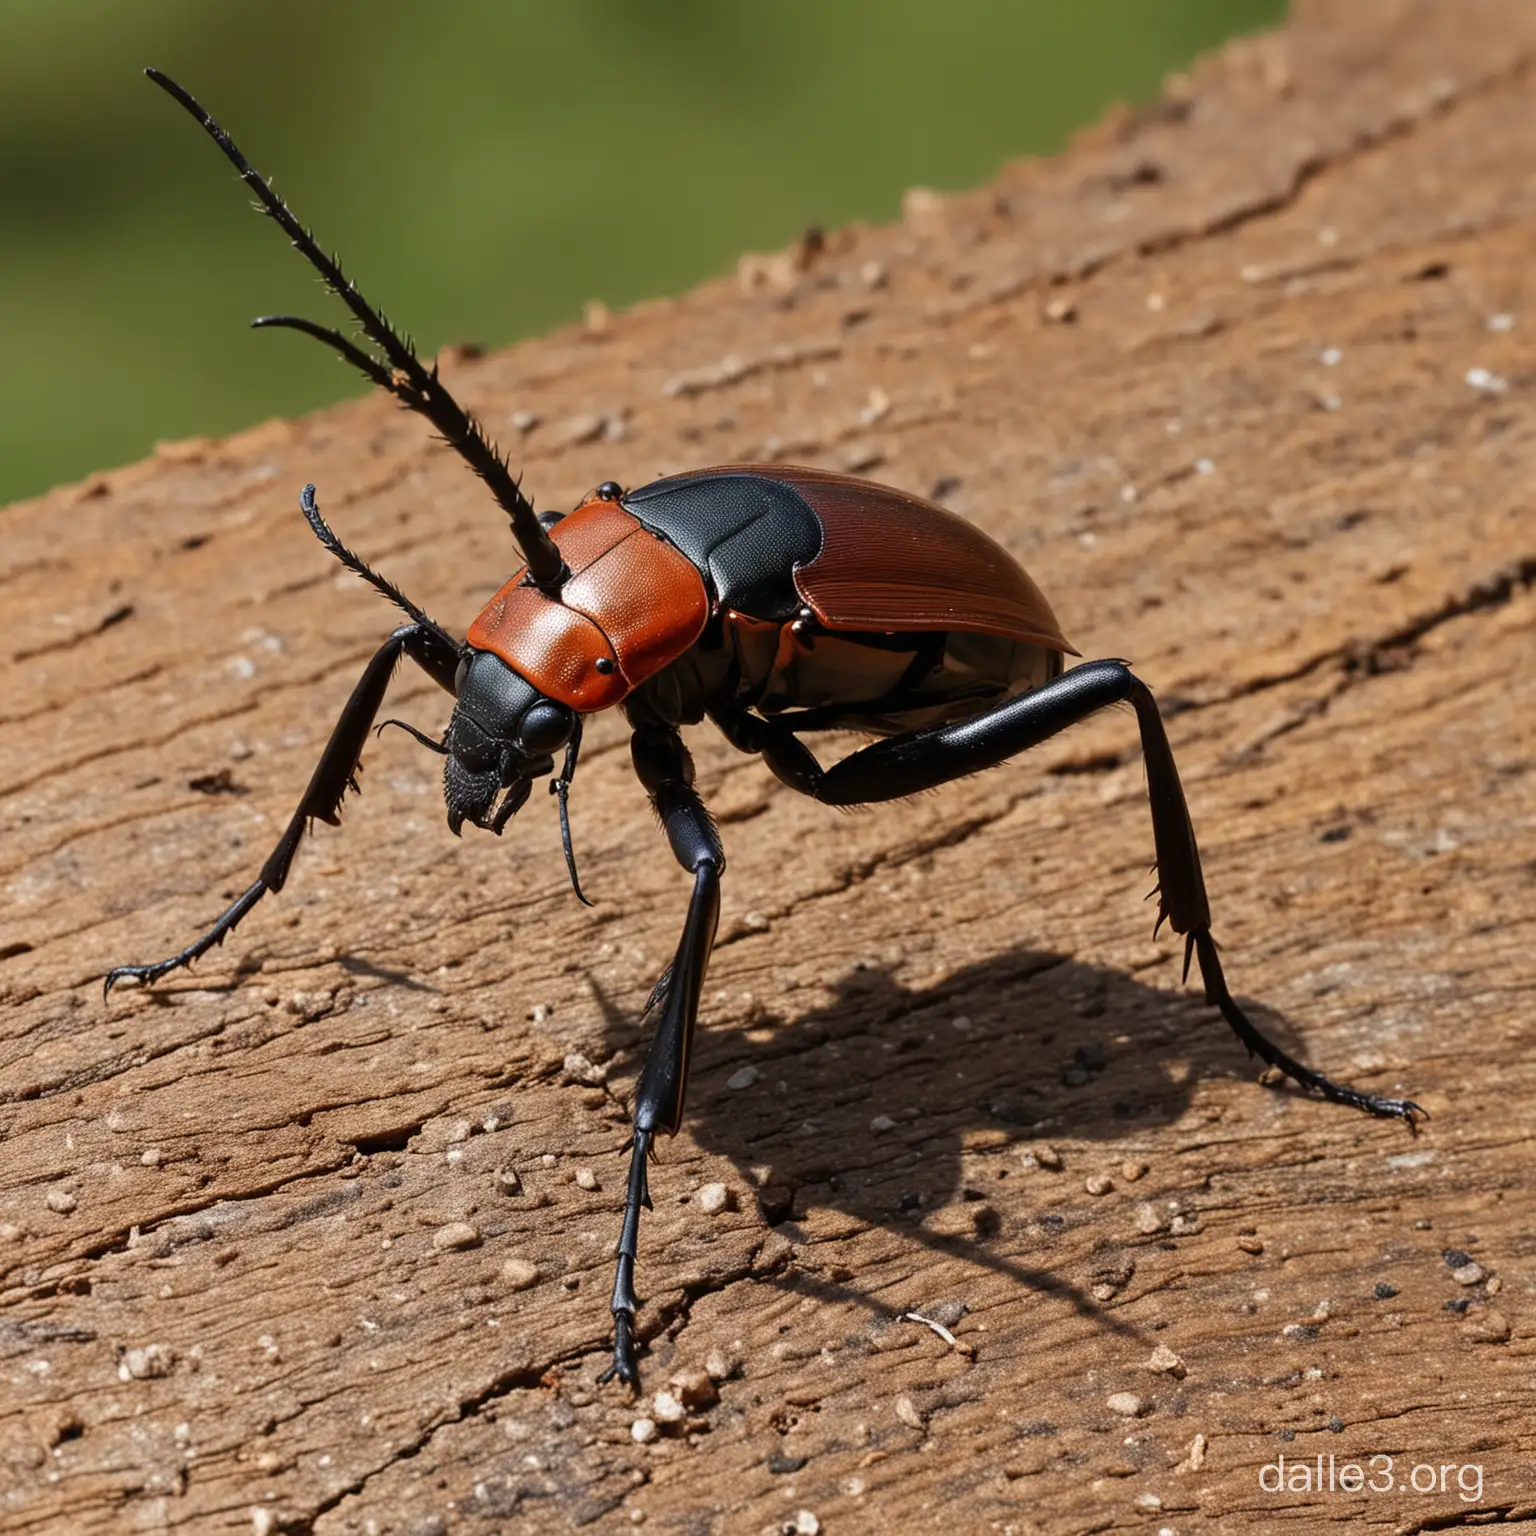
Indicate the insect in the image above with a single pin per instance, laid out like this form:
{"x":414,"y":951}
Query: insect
{"x":775,"y":602}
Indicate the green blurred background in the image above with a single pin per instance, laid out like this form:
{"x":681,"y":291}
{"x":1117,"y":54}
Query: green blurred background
{"x":484,"y":167}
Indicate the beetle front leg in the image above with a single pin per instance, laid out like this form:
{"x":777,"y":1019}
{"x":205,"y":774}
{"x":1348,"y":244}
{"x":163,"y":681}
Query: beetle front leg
{"x":665,"y":768}
{"x":334,"y":774}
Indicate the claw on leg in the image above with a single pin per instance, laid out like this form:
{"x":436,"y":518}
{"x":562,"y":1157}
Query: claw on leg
{"x":623,"y":1368}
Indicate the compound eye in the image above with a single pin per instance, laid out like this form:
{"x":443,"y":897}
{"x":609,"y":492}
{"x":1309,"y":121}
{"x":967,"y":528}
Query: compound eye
{"x":609,"y":490}
{"x":545,"y":727}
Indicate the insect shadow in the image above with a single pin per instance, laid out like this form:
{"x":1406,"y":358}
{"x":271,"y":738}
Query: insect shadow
{"x":355,"y":965}
{"x":862,"y":1106}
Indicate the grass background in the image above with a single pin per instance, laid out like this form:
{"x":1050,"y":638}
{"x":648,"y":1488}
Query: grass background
{"x":484,"y":168}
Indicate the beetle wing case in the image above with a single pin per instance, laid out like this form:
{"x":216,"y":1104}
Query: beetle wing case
{"x":861,"y":556}
{"x":890,"y":561}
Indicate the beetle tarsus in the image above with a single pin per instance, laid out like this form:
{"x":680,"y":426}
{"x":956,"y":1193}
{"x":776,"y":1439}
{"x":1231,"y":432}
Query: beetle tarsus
{"x":623,"y":1368}
{"x":624,"y":1305}
{"x":1260,"y":1045}
{"x":145,"y":975}
{"x":148,"y":975}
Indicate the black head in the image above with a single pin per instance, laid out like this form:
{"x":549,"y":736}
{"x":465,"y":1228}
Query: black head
{"x":503,"y":735}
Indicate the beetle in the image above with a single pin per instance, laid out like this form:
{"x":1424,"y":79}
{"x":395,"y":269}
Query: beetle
{"x":775,"y":601}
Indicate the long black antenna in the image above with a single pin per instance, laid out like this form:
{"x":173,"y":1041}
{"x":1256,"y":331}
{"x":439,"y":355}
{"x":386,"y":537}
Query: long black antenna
{"x":386,"y":588}
{"x":406,"y":379}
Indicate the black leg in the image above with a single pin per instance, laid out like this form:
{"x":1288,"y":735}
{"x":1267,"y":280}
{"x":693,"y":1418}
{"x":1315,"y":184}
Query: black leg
{"x":666,"y":770}
{"x":919,"y":760}
{"x":334,"y":775}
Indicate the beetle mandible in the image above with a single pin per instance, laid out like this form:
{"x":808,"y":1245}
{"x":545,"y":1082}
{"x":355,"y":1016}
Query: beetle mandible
{"x":773,"y":600}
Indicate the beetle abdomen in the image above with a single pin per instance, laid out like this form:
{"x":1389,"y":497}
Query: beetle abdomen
{"x":881,"y":684}
{"x":631,"y":605}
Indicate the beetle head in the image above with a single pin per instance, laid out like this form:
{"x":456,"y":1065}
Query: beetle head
{"x":502,"y":736}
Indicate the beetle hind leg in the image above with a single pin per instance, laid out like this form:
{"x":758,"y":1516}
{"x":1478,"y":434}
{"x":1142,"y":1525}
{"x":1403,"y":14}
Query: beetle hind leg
{"x":1182,"y":903}
{"x":917,"y":760}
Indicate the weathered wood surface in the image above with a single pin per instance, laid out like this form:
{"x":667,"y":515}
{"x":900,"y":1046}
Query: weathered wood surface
{"x":1247,"y":381}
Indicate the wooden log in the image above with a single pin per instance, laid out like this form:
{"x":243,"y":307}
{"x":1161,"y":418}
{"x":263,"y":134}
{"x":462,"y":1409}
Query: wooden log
{"x":303,"y":1241}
